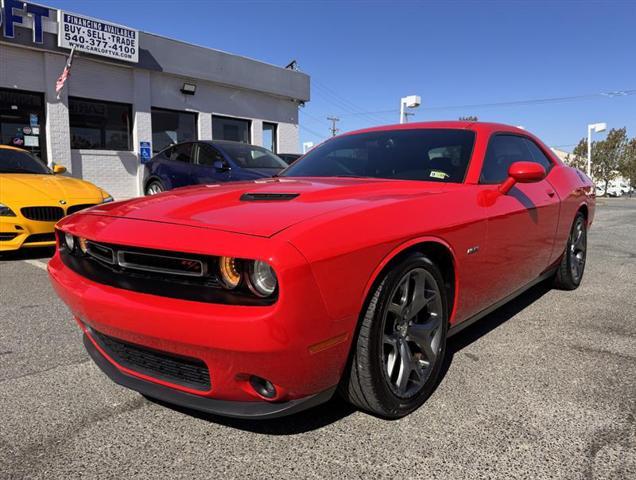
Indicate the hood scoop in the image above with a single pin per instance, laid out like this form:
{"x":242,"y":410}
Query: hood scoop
{"x":268,"y":197}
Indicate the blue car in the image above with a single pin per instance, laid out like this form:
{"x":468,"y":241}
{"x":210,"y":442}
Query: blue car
{"x":204,"y":162}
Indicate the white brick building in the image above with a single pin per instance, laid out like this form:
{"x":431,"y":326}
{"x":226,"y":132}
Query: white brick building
{"x":110,"y":106}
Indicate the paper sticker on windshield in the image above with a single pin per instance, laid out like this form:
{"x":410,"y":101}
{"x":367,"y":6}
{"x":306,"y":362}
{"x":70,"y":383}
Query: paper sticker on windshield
{"x":439,"y":174}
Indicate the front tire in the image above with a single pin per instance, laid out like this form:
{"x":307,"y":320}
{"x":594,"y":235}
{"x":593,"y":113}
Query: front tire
{"x":572,"y":266}
{"x":400,"y":347}
{"x":154,"y":187}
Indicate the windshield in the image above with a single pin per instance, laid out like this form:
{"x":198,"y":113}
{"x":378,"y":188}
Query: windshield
{"x":249,"y":156}
{"x":436,"y":155}
{"x":15,"y":161}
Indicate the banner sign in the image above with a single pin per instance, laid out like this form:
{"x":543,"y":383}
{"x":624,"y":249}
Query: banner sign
{"x":97,"y":37}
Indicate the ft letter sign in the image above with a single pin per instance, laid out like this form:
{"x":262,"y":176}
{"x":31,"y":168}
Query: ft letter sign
{"x":14,"y":11}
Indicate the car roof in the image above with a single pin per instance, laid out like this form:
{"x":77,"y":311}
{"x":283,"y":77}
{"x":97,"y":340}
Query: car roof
{"x":226,"y":142}
{"x":446,"y":124}
{"x":9,"y":147}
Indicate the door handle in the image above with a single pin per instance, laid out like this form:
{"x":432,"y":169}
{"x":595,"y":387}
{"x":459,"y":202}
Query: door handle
{"x":550,"y":193}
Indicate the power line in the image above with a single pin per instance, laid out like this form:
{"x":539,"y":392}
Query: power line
{"x":536,"y":101}
{"x":341,"y":101}
{"x":312,"y":132}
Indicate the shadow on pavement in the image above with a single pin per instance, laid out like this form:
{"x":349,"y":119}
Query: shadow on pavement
{"x":337,"y":409}
{"x":28,"y":254}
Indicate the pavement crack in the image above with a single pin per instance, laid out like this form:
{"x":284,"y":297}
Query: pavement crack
{"x":31,"y":374}
{"x":35,"y":456}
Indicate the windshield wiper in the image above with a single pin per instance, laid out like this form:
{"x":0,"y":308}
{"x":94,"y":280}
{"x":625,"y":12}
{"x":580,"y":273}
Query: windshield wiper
{"x":347,"y":175}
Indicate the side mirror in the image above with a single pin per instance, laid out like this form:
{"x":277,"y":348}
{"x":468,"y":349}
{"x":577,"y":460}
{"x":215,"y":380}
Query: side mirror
{"x":522,"y":172}
{"x":59,"y":169}
{"x":221,"y":166}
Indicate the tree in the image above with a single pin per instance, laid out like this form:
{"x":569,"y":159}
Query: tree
{"x":579,"y":155}
{"x":627,"y":165}
{"x":607,"y":155}
{"x":469,"y":118}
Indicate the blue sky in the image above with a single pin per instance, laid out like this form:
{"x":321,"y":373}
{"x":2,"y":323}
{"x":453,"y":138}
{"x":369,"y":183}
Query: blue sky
{"x":364,"y":55}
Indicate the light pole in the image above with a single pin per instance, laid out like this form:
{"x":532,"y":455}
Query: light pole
{"x":412,"y":101}
{"x":596,"y":127}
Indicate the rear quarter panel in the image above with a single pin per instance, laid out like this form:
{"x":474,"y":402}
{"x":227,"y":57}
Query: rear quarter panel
{"x":575,"y":191}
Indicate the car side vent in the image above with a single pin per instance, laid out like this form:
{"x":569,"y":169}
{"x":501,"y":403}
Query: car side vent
{"x":268,"y":197}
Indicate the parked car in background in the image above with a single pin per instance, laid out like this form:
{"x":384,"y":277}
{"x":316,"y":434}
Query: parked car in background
{"x":203,"y":162}
{"x":259,"y":299}
{"x":33,"y":198}
{"x":289,"y":158}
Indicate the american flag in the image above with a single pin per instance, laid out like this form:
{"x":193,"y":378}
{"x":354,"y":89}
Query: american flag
{"x":59,"y":85}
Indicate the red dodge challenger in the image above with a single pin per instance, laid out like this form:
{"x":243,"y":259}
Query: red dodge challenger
{"x":347,"y":272}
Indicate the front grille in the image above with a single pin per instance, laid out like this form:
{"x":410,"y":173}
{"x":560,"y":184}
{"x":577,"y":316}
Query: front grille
{"x":186,"y":371}
{"x":40,"y":237}
{"x":77,"y":208}
{"x":43,"y":214}
{"x":152,"y":262}
{"x":156,"y":272}
{"x":5,"y":237}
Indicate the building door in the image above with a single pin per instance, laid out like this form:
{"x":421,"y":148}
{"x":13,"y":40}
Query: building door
{"x":22,"y":121}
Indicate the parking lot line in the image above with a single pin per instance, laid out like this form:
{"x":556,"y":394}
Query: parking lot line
{"x":36,"y":263}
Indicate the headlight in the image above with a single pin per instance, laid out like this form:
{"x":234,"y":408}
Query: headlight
{"x":82,"y":245}
{"x":69,"y":241}
{"x":108,"y":199}
{"x":262,"y":279}
{"x":230,"y":273}
{"x":6,"y":211}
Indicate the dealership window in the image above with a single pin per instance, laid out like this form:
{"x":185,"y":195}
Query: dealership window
{"x":234,"y":129}
{"x":269,"y":136}
{"x":22,"y":120}
{"x":171,"y":126}
{"x":99,"y":125}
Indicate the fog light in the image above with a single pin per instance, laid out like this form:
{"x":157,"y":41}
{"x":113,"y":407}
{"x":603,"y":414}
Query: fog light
{"x":70,"y":241}
{"x":263,"y":387}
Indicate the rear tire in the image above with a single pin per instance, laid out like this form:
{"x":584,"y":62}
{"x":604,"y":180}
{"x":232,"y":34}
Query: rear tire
{"x":154,"y":187}
{"x":572,"y":266}
{"x":400,"y":347}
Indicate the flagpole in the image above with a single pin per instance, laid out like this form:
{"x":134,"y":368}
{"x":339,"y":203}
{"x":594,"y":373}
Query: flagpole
{"x":61,"y":81}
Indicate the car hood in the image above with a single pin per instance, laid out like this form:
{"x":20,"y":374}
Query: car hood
{"x":23,"y":188}
{"x":263,"y":207}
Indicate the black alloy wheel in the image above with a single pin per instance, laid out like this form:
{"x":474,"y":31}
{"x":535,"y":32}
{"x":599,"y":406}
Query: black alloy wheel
{"x":572,"y":266}
{"x":402,"y":341}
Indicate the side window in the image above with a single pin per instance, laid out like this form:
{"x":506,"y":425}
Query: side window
{"x":503,"y":150}
{"x":538,"y":156}
{"x":207,"y":155}
{"x":164,"y":154}
{"x":182,"y":153}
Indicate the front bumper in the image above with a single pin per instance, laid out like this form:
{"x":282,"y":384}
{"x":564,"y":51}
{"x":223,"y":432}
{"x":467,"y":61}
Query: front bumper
{"x":17,"y":232}
{"x":245,"y":410}
{"x":293,"y":343}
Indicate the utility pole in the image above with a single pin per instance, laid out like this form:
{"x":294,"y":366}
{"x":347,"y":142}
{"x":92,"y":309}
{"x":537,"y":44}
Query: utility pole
{"x":333,"y":128}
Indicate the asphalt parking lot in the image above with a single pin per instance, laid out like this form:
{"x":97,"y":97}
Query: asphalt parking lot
{"x":544,"y":387}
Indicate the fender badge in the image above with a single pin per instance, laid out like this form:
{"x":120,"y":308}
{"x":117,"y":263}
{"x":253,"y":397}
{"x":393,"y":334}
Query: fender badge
{"x":62,"y":202}
{"x":472,"y":250}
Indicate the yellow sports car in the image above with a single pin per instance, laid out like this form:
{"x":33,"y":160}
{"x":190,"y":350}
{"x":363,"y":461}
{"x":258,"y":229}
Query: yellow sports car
{"x":33,"y":199}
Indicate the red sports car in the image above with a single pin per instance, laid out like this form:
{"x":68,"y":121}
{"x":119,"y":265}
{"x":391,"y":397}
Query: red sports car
{"x":348,"y":271}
